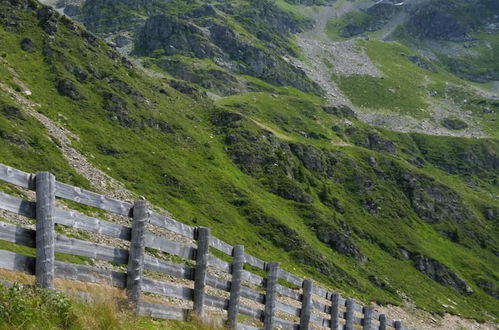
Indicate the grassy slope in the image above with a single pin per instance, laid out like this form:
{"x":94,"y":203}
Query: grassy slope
{"x":26,"y":307}
{"x":412,"y":84}
{"x":190,"y":173}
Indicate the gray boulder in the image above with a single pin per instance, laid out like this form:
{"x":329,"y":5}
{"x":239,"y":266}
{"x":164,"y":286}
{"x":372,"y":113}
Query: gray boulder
{"x":441,"y":273}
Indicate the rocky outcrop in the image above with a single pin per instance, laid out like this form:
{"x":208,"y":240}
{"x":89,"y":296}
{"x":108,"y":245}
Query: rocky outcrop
{"x":454,"y":123}
{"x":311,"y":2}
{"x":372,"y":19}
{"x":28,"y":45}
{"x":342,"y":111}
{"x":220,"y":81}
{"x":117,"y":109}
{"x":491,"y":213}
{"x":340,"y":241}
{"x":68,"y":88}
{"x":48,"y":20}
{"x":320,"y":161}
{"x":435,"y":23}
{"x":173,"y":36}
{"x":488,"y":286}
{"x":13,"y":113}
{"x":433,"y":202}
{"x":255,"y":61}
{"x":440,"y":273}
{"x":423,"y":64}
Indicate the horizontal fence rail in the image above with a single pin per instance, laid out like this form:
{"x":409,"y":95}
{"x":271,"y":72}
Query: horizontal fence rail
{"x":144,"y":263}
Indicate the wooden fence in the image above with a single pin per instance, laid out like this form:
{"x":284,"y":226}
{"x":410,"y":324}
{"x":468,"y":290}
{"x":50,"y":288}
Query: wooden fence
{"x":285,"y":301}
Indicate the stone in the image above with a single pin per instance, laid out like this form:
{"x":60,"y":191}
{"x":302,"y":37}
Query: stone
{"x":13,"y":113}
{"x":454,"y":124}
{"x":433,"y":202}
{"x":340,"y":241}
{"x":68,"y":88}
{"x":435,"y":23}
{"x":440,"y":273}
{"x":342,"y":111}
{"x":71,"y":10}
{"x":423,"y":64}
{"x":28,"y":45}
{"x":48,"y":20}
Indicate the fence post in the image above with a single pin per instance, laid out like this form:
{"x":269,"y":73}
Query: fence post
{"x":382,"y":322}
{"x":306,"y":305}
{"x":335,"y":311}
{"x":135,"y":269}
{"x":203,"y":245}
{"x":398,"y":325}
{"x":350,"y":304}
{"x":270,"y":296}
{"x":368,"y":316}
{"x":45,"y":241}
{"x":235,"y":285}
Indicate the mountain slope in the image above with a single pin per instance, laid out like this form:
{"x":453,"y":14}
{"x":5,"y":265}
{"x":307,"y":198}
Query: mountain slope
{"x":384,"y":216}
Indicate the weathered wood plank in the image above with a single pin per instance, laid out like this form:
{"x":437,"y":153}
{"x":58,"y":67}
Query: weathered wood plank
{"x":17,"y":205}
{"x":17,"y":177}
{"x":217,"y":283}
{"x":80,"y":221}
{"x":271,"y":296}
{"x":367,"y":320}
{"x":254,"y":261}
{"x":382,"y":322}
{"x":219,"y":264}
{"x":283,"y":324}
{"x":89,"y":198}
{"x":19,"y":235}
{"x":225,"y":285}
{"x":18,"y":262}
{"x":235,"y":285}
{"x":171,"y":247}
{"x":292,"y":310}
{"x":201,"y":270}
{"x":318,"y":291}
{"x":167,"y":267}
{"x":358,"y":308}
{"x":290,"y":293}
{"x":217,"y":302}
{"x":321,"y":307}
{"x":166,"y":289}
{"x":45,"y":234}
{"x":252,"y":294}
{"x":355,"y":319}
{"x":288,"y":277}
{"x":253,"y":278}
{"x":89,"y":274}
{"x":86,"y":249}
{"x":135,"y":268}
{"x":160,"y":311}
{"x":316,"y":319}
{"x":172,"y":225}
{"x":349,"y":315}
{"x":242,"y":326}
{"x":306,"y":307}
{"x":221,"y":245}
{"x":251,"y":312}
{"x":335,"y":311}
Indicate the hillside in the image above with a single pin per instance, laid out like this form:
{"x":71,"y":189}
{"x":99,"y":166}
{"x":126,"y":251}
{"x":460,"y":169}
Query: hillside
{"x":223,"y":129}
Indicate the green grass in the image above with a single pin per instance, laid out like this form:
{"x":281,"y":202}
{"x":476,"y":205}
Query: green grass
{"x":402,"y":89}
{"x":27,"y":307}
{"x":190,"y":170}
